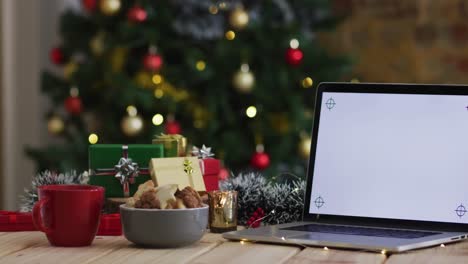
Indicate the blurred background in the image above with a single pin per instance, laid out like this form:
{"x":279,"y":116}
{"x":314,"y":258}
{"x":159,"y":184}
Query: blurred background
{"x":238,"y":76}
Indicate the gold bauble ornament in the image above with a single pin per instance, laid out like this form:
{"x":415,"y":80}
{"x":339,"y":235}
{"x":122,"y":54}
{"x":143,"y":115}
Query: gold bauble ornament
{"x":307,"y":82}
{"x":243,"y":80}
{"x":131,"y":125}
{"x":239,"y":18}
{"x":55,"y":125}
{"x":304,"y":147}
{"x":110,"y":7}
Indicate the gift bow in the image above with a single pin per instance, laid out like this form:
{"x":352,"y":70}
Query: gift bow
{"x":202,"y":153}
{"x":125,"y":171}
{"x":188,"y":169}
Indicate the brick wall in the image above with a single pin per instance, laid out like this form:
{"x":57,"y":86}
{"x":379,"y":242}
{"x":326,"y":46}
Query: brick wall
{"x":423,"y":41}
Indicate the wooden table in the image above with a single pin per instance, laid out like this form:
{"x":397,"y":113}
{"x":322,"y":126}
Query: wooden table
{"x":33,"y":247}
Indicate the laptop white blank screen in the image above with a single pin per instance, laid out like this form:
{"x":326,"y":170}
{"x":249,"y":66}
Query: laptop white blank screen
{"x":397,"y":156}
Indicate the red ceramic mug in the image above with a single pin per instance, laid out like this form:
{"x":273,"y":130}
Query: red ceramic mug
{"x":69,"y":214}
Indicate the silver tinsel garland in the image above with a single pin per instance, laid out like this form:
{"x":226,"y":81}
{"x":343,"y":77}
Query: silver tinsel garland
{"x":29,"y":198}
{"x":281,"y":202}
{"x":287,"y":202}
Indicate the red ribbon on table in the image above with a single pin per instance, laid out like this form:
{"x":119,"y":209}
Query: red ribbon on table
{"x":12,"y":216}
{"x":110,"y":225}
{"x":106,"y":225}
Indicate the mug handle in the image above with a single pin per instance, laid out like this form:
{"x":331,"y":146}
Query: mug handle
{"x":37,"y":217}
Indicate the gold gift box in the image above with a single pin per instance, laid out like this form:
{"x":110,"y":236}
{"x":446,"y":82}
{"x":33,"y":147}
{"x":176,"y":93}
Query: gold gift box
{"x":184,"y":171}
{"x":174,"y":145}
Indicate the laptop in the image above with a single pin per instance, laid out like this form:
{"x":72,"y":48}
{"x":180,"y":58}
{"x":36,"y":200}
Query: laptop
{"x":388,"y":170}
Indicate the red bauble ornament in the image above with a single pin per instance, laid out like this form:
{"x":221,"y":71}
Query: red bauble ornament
{"x":294,"y":56}
{"x":137,"y":14}
{"x":223,"y":174}
{"x":89,"y":5}
{"x":152,"y":62}
{"x":172,"y":127}
{"x":73,"y":105}
{"x":56,"y":56}
{"x":260,"y":160}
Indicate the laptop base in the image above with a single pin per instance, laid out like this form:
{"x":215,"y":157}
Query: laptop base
{"x":277,"y":234}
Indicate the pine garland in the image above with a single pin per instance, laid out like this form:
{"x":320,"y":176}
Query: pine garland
{"x":250,"y":189}
{"x":282,"y":202}
{"x":30,"y":197}
{"x":287,"y":201}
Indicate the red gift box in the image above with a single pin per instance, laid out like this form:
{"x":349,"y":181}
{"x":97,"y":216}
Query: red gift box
{"x":110,"y":225}
{"x":16,"y":221}
{"x":210,"y":169}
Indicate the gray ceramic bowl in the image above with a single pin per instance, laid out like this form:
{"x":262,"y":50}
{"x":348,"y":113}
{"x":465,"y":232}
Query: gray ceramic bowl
{"x":164,"y":228}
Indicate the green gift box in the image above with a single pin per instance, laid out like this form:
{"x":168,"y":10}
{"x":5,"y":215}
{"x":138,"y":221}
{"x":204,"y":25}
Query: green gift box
{"x":103,"y":159}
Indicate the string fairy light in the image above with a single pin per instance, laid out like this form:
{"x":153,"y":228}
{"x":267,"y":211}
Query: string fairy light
{"x":251,"y":111}
{"x":213,"y":9}
{"x":157,"y":119}
{"x":158,"y":93}
{"x":230,"y":35}
{"x":200,"y":65}
{"x":131,"y":110}
{"x":93,"y":139}
{"x":157,"y":79}
{"x":294,"y":43}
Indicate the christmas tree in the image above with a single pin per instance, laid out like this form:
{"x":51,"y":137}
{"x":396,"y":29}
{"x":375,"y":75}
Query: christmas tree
{"x":238,"y":76}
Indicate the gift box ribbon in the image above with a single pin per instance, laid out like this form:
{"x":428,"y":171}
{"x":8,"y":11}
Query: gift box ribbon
{"x":125,"y":171}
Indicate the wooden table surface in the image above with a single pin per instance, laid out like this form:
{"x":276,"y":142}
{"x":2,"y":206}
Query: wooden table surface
{"x":33,"y":247}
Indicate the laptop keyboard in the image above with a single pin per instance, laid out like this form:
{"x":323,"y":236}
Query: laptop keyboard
{"x":361,"y":231}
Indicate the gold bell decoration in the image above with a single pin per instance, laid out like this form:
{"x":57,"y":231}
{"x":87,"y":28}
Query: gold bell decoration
{"x":110,"y":7}
{"x":243,"y":80}
{"x":239,"y":18}
{"x":55,"y":125}
{"x":131,"y":124}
